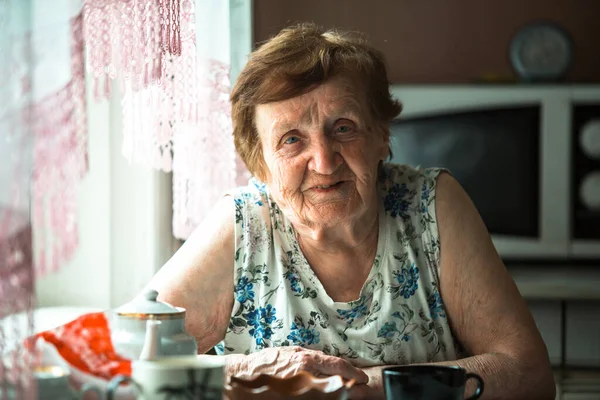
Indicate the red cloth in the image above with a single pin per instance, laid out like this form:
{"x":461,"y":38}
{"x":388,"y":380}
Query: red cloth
{"x":86,"y":345}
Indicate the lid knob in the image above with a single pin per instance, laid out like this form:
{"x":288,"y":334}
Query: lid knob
{"x":146,"y":305}
{"x":151,"y":295}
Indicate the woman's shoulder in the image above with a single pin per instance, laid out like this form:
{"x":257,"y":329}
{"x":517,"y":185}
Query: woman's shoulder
{"x":254,"y":193}
{"x":254,"y":208}
{"x":391,"y":174}
{"x":408,"y":191}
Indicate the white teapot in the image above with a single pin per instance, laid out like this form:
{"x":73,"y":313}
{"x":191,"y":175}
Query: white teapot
{"x":129,"y":324}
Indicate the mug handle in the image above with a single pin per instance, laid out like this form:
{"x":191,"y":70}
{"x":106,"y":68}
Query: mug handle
{"x":480,"y":386}
{"x":114,"y":383}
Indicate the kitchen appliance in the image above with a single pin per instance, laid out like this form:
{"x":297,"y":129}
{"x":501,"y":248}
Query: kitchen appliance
{"x":528,"y":156}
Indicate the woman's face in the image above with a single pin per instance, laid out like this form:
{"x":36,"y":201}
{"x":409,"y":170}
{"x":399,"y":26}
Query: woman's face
{"x":322,"y":152}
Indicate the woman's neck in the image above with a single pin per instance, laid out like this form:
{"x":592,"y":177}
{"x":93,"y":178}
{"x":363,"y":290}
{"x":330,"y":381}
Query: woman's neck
{"x":344,"y":238}
{"x":336,"y":245}
{"x":333,"y":254}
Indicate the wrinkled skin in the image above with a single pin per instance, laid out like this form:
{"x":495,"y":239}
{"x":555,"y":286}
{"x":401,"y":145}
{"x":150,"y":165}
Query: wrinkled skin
{"x":288,"y":361}
{"x":324,"y":137}
{"x":322,"y":151}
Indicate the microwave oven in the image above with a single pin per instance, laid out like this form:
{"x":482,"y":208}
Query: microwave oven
{"x":528,"y":156}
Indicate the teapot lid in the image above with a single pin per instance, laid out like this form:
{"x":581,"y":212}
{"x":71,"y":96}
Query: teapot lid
{"x":147,"y":307}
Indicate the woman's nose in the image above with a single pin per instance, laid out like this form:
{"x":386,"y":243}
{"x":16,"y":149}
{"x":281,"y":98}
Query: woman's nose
{"x":325,"y":158}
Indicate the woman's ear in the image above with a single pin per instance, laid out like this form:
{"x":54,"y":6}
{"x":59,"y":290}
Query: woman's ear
{"x":385,"y":150}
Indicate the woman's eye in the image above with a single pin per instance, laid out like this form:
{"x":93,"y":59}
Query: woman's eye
{"x":291,"y":140}
{"x":344,"y":129}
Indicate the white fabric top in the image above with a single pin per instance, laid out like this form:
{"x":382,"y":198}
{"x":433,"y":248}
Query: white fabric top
{"x":399,"y":317}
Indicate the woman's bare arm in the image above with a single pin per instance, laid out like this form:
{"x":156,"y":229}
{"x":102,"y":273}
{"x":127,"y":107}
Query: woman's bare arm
{"x":199,"y":276}
{"x":486,"y":311}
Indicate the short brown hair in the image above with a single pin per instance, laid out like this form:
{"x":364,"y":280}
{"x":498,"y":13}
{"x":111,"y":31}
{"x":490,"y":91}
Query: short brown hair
{"x":292,"y":63}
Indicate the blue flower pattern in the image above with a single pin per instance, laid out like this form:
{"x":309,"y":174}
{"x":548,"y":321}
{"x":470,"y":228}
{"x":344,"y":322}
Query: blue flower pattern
{"x":291,"y":262}
{"x":436,"y":307}
{"x":306,"y":334}
{"x":425,"y":194}
{"x":398,"y":200}
{"x":354,"y":313}
{"x":408,"y":280}
{"x":301,"y":336}
{"x":295,"y":283}
{"x":260,"y":320}
{"x":243,"y":290}
{"x":279,"y":302}
{"x":220,"y":348}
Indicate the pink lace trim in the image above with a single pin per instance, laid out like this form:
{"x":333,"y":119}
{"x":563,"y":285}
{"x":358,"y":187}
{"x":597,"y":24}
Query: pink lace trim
{"x":129,"y":37}
{"x":153,"y":116}
{"x":60,"y":160}
{"x":205,"y":164}
{"x":17,"y":295}
{"x":179,"y":124}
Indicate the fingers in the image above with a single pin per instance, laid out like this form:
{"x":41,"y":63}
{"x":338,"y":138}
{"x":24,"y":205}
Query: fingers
{"x":339,"y":366}
{"x":360,"y":392}
{"x":288,"y":361}
{"x":318,"y":363}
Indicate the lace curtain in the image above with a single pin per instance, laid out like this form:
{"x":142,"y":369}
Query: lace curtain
{"x":43,"y":149}
{"x":171,"y":60}
{"x":45,"y":100}
{"x":16,"y":263}
{"x":205,"y":163}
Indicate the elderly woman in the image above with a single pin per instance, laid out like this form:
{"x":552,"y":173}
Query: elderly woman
{"x":332,"y":260}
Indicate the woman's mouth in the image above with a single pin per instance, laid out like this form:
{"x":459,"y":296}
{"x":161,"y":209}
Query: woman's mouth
{"x":327,"y":188}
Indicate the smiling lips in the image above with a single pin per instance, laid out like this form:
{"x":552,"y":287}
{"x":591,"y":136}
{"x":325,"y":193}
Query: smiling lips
{"x":327,"y":186}
{"x":324,"y":186}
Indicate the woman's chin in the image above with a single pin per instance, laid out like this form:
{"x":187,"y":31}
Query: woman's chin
{"x":333,"y":213}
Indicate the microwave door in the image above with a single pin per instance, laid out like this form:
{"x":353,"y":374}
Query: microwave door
{"x":495,"y":152}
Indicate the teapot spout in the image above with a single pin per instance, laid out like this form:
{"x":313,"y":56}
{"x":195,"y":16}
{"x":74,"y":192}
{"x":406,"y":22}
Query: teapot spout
{"x":152,"y":341}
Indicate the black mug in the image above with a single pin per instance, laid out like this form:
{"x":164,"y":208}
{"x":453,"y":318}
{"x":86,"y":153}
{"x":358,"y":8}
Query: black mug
{"x":428,"y":382}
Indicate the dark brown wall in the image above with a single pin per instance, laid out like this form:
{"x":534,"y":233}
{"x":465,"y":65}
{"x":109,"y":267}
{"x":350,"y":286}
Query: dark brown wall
{"x":444,"y":41}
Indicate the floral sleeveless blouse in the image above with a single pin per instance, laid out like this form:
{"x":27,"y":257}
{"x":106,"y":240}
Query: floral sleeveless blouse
{"x":399,"y":317}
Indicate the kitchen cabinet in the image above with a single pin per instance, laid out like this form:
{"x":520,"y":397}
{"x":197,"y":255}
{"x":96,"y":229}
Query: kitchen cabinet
{"x":547,"y":316}
{"x":580,"y":396}
{"x":582,"y":339}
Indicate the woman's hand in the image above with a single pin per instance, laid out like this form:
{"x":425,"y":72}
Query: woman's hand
{"x":288,"y":361}
{"x":365,"y":392}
